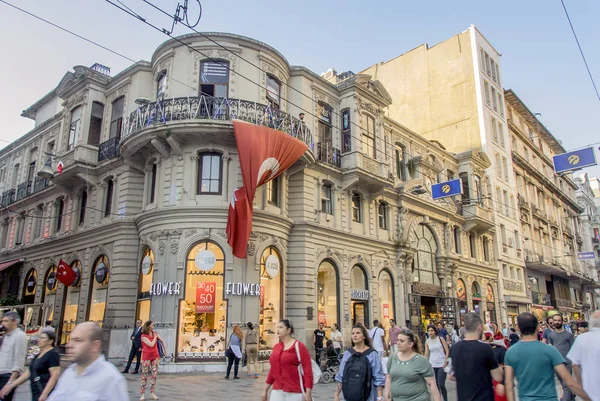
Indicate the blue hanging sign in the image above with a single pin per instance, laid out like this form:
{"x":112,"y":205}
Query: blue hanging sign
{"x":574,"y":160}
{"x":445,"y":189}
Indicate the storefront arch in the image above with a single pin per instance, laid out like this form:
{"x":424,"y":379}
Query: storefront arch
{"x":387,"y":297}
{"x":328,"y":295}
{"x":49,"y":293}
{"x":202,"y":310}
{"x":30,"y":286}
{"x":99,"y":290}
{"x":146,"y":274}
{"x":359,"y":295}
{"x":476,"y":296}
{"x":70,"y":303}
{"x":461,"y":296}
{"x":271,"y":296}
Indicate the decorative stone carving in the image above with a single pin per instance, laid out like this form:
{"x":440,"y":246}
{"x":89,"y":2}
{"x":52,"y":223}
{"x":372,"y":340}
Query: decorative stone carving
{"x":174,"y":246}
{"x":222,"y":234}
{"x":402,"y":223}
{"x":190,"y":232}
{"x":215,"y":54}
{"x":251,"y":248}
{"x":320,"y":252}
{"x":161,"y":247}
{"x":153,"y":236}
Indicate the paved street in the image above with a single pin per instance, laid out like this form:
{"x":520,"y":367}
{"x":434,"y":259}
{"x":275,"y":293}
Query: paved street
{"x":212,"y":387}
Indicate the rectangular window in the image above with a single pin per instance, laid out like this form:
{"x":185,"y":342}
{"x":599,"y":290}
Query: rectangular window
{"x":214,"y":78}
{"x":499,"y":199}
{"x":74,"y":127}
{"x":517,"y":240}
{"x":161,"y":85}
{"x":368,"y":134}
{"x":109,"y":197}
{"x":20,"y":229}
{"x":210,"y":165}
{"x":96,"y":124}
{"x":486,"y":251}
{"x":503,"y":234}
{"x":273,"y":191}
{"x":346,"y":131}
{"x":356,"y":212}
{"x":478,"y":194}
{"x":501,"y":134}
{"x":273,"y":92}
{"x":498,"y":165}
{"x":494,"y":130}
{"x":382,"y":215}
{"x":506,"y":205}
{"x":493,"y":67}
{"x":498,"y":75}
{"x":82,"y":207}
{"x":505,"y":168}
{"x":486,"y":89}
{"x":494,"y":99}
{"x":153,"y":183}
{"x":466,"y":193}
{"x":512,"y":206}
{"x":472,"y":245}
{"x":487,"y":64}
{"x":501,"y":104}
{"x":505,"y":270}
{"x":116,"y":117}
{"x":400,"y":152}
{"x":59,"y":209}
{"x":326,"y":205}
{"x":457,"y":248}
{"x":39,"y":221}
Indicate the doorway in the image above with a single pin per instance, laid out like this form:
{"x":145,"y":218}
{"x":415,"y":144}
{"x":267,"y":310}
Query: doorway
{"x":359,"y":313}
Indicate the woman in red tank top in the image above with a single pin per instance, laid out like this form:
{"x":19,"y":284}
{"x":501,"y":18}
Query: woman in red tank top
{"x":150,"y":358}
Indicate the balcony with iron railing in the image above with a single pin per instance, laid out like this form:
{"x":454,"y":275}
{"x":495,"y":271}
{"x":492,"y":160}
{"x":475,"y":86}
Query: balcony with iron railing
{"x":539,"y":298}
{"x":326,"y":153}
{"x":108,"y":149}
{"x":23,"y":190}
{"x":8,"y":197}
{"x":208,"y":108}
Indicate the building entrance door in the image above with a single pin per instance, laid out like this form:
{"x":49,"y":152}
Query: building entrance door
{"x":359,"y":312}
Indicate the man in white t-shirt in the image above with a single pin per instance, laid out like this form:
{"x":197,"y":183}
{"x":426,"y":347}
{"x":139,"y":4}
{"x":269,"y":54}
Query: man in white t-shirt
{"x":585,"y":358}
{"x":377,"y":335}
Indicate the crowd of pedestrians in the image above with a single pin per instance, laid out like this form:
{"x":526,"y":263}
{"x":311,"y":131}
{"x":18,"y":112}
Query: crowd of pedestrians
{"x":487,"y":362}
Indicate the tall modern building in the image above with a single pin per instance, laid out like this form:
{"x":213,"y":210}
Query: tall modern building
{"x":347,"y":234}
{"x":452,"y":93}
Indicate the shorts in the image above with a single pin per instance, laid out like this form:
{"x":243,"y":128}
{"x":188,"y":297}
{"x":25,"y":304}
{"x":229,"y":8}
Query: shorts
{"x":280,"y":395}
{"x":252,"y":352}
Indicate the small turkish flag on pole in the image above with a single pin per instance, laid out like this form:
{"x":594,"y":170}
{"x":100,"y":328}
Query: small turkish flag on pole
{"x":265,"y":154}
{"x":65,"y":274}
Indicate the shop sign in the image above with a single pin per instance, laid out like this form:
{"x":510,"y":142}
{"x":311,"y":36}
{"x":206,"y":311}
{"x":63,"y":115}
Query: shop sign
{"x":386,"y":311}
{"x":242,"y":289}
{"x":205,"y":260}
{"x":427,"y":289}
{"x":362,"y":295}
{"x":272,"y":266}
{"x":461,"y":292}
{"x":31,"y":283}
{"x":51,"y":282}
{"x":205,"y":296}
{"x":146,"y":265}
{"x":101,"y":272}
{"x":77,"y":276}
{"x":167,"y":288}
{"x":322,"y":318}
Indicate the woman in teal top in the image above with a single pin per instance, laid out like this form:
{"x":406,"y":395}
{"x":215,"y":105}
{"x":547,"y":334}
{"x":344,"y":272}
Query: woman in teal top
{"x":410,"y":375}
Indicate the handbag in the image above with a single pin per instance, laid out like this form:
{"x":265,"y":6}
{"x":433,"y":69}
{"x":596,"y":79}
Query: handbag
{"x":315,"y":368}
{"x":161,"y":350}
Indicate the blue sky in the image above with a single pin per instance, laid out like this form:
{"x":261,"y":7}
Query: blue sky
{"x":540,"y":60}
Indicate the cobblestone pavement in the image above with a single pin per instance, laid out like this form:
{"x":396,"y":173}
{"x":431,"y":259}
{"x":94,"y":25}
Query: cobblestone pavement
{"x":212,"y":387}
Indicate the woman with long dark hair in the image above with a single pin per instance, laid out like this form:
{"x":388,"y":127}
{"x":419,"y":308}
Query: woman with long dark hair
{"x":251,"y":344}
{"x":437,"y":351}
{"x":410,"y":375}
{"x":234,"y":352}
{"x":150,"y":359}
{"x":291,"y":374}
{"x":43,"y":371}
{"x":361,"y":347}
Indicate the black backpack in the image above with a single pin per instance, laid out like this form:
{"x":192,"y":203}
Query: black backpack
{"x":357,"y":376}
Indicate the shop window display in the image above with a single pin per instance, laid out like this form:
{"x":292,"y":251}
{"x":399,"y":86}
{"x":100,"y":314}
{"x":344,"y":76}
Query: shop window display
{"x":202,"y":311}
{"x":271,"y":305}
{"x":99,"y":292}
{"x":359,"y":294}
{"x":327,"y":295}
{"x":490,"y":313}
{"x":386,"y":298}
{"x":476,"y":294}
{"x":49,"y":294}
{"x":145,"y":281}
{"x":71,"y":304}
{"x":29,"y":287}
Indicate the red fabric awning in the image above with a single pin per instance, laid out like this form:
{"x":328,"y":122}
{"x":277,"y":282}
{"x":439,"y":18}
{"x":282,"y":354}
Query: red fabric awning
{"x":7,"y":264}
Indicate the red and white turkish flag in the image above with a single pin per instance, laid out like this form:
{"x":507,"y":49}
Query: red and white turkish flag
{"x":265,"y":153}
{"x":65,"y":274}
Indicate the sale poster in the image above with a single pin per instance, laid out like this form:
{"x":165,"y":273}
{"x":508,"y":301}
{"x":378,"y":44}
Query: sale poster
{"x":386,"y":311}
{"x":322,"y":318}
{"x":205,"y":297}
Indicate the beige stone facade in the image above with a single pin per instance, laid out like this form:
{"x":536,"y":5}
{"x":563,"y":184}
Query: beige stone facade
{"x":348,"y":234}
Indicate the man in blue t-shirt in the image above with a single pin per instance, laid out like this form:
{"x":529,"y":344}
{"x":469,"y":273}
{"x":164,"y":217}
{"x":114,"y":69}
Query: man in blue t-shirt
{"x":534,"y":364}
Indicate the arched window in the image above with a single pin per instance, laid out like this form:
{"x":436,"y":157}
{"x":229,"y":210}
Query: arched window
{"x":49,"y":293}
{"x":71,"y":304}
{"x":152,"y":184}
{"x":161,"y":85}
{"x":144,"y":285}
{"x":29,"y":287}
{"x":327,"y":295}
{"x":386,"y":298}
{"x":271,"y":296}
{"x":424,"y":263}
{"x":476,"y":295}
{"x":99,"y":292}
{"x":202,"y":311}
{"x":359,"y":295}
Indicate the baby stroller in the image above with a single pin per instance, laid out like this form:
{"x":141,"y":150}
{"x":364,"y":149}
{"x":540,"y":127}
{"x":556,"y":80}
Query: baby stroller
{"x":332,"y":365}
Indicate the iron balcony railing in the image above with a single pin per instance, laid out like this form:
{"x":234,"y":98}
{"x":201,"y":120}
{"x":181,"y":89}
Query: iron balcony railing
{"x":8,"y":197}
{"x":109,"y":149}
{"x":40,"y":184}
{"x":328,"y":154}
{"x":216,"y":109}
{"x":23,"y":189}
{"x":540,"y":298}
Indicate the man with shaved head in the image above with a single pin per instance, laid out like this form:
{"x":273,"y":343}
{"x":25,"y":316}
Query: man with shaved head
{"x":585,"y":357}
{"x":90,"y":376}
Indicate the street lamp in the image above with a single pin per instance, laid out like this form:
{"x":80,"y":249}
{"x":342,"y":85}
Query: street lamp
{"x":47,"y":172}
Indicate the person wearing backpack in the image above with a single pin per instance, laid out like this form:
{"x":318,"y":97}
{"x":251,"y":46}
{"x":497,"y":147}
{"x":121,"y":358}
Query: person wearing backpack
{"x":284,"y":375}
{"x":360,"y":376}
{"x":437,"y":351}
{"x":410,"y":375}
